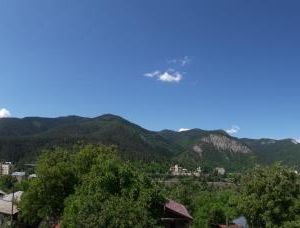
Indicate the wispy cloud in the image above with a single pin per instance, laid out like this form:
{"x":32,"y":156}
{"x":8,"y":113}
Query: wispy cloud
{"x":233,"y":130}
{"x":152,"y":74}
{"x":183,"y":129}
{"x":4,"y":113}
{"x":166,"y":76}
{"x":181,"y":61}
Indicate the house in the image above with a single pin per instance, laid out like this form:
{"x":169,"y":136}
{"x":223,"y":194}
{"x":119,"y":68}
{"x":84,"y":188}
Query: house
{"x":19,"y":175}
{"x":8,"y":206}
{"x":5,"y":168}
{"x":176,"y":215}
{"x":220,"y":171}
{"x":241,"y":221}
{"x":6,"y":210}
{"x":177,"y":170}
{"x":15,"y":197}
{"x":32,"y":176}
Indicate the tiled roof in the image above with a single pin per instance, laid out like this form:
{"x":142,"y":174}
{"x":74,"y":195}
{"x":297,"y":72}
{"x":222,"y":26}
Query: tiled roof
{"x":178,"y":208}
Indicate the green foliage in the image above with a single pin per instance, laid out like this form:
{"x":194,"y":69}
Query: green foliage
{"x":214,"y":207}
{"x":45,"y":196}
{"x":21,"y":141}
{"x":22,"y":186}
{"x":185,"y":191}
{"x":90,"y":186}
{"x":7,"y":183}
{"x":269,"y":151}
{"x":270,"y":196}
{"x":112,"y":194}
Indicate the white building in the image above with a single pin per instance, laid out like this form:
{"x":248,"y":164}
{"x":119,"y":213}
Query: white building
{"x":5,"y":168}
{"x":19,"y":175}
{"x":220,"y":170}
{"x":177,"y":170}
{"x":32,"y":176}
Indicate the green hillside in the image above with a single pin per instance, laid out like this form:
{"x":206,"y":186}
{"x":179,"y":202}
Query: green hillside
{"x":22,"y":140}
{"x":270,"y":150}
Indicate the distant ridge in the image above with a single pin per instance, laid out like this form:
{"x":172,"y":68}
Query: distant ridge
{"x":24,"y":139}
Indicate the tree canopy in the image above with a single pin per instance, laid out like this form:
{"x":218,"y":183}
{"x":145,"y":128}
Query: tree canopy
{"x":90,"y":186}
{"x":269,"y":196}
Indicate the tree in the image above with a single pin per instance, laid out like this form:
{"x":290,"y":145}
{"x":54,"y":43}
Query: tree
{"x":270,"y":196}
{"x":7,"y":182}
{"x":55,"y":181}
{"x":214,"y":207}
{"x":113,"y":194}
{"x":90,"y":186}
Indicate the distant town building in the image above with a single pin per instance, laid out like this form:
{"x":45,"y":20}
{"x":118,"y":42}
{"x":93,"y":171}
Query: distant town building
{"x":5,"y":168}
{"x":177,"y":170}
{"x":32,"y":176}
{"x":220,"y":171}
{"x":19,"y":175}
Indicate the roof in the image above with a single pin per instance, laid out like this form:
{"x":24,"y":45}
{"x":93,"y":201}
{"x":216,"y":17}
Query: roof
{"x":5,"y":207}
{"x":18,"y":174}
{"x":32,"y":175}
{"x":2,"y":193}
{"x":178,"y":209}
{"x":229,"y":226}
{"x":17,"y":196}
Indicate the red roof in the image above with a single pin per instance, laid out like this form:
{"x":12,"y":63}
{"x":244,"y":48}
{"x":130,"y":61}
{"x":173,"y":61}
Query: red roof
{"x":178,"y":208}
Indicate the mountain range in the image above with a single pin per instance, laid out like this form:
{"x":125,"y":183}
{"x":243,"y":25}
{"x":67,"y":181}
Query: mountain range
{"x":22,"y":140}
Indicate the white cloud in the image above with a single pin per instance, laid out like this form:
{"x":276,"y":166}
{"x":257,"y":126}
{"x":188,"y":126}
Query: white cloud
{"x":166,"y":76}
{"x":170,"y":77}
{"x":182,"y":61}
{"x":233,"y":130}
{"x":183,"y":129}
{"x":4,"y":113}
{"x":152,"y":74}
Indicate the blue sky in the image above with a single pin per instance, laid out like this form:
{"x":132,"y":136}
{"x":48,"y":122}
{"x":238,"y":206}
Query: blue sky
{"x":160,"y":63}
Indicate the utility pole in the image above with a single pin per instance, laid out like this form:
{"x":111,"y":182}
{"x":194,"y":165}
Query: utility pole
{"x":12,"y":204}
{"x":12,"y":207}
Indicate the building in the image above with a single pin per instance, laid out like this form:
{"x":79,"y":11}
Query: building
{"x":32,"y":176}
{"x":6,"y":210}
{"x":15,"y":197}
{"x":176,"y":215}
{"x":8,"y":206}
{"x":5,"y":168}
{"x":220,"y":171}
{"x":177,"y":170}
{"x":19,"y":175}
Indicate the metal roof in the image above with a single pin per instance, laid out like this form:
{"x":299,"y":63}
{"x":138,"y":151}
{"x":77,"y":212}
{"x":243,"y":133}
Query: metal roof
{"x":5,"y":207}
{"x":17,"y":196}
{"x":178,"y":208}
